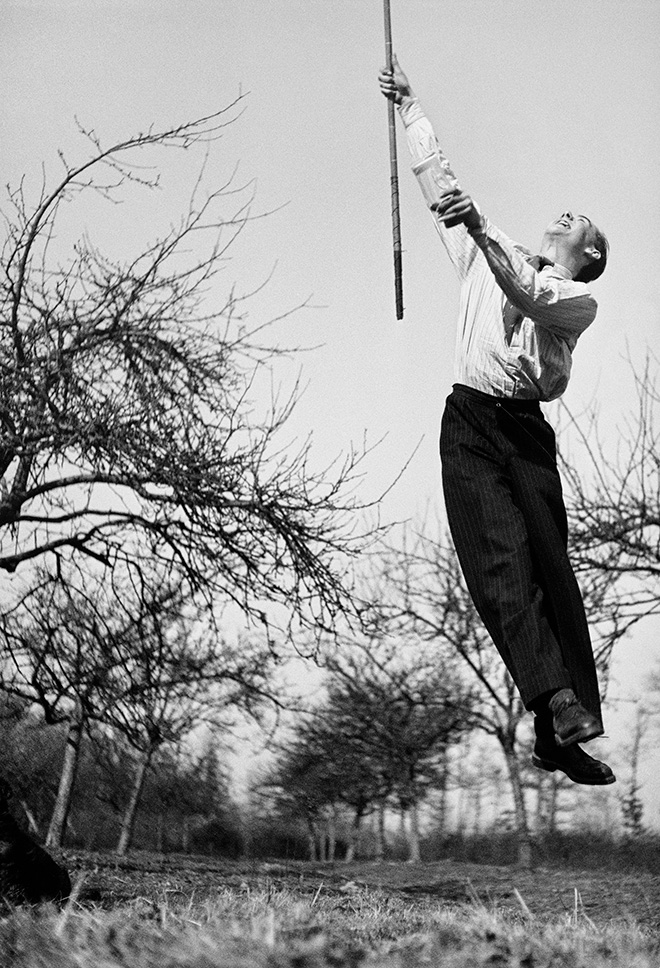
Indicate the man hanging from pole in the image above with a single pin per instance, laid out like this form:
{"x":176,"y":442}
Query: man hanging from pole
{"x":520,"y":319}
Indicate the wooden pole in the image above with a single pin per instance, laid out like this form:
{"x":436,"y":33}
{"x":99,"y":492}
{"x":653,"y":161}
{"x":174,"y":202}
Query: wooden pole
{"x":394,"y":176}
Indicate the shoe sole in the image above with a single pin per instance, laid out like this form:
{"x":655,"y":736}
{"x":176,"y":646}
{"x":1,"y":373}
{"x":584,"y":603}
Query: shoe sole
{"x":580,"y":736}
{"x":551,"y":766}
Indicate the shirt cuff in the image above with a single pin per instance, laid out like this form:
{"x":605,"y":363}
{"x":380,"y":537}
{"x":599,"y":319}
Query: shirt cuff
{"x":410,"y":110}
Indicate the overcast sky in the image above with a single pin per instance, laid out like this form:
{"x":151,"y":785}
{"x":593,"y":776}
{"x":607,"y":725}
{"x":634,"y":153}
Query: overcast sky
{"x":540,"y":107}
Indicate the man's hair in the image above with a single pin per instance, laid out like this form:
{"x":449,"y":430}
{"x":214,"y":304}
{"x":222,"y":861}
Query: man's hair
{"x":596,"y":267}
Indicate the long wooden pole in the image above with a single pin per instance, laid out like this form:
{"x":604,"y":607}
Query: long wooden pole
{"x":394,"y":175}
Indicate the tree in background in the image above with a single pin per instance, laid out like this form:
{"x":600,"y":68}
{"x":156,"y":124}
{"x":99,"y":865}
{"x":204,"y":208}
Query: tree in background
{"x":360,"y":782}
{"x":302,"y":786}
{"x":31,"y":759}
{"x":421,"y":592}
{"x":613,"y":506}
{"x":400,"y":708}
{"x":380,"y":736}
{"x":175,"y":672}
{"x":136,"y":655}
{"x":186,"y":804}
{"x":59,"y":648}
{"x":127,"y":432}
{"x":632,"y":808}
{"x":213,"y":822}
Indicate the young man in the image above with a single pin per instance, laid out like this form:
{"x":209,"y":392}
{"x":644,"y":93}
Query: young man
{"x":520,"y":318}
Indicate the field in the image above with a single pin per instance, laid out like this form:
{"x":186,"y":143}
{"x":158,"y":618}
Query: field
{"x":163,"y":912}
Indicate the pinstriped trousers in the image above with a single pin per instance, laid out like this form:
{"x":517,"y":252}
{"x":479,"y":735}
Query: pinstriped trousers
{"x":508,"y":522}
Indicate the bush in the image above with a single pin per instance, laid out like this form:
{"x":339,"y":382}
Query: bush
{"x":274,"y":837}
{"x":596,"y":850}
{"x":579,"y":850}
{"x":217,"y":836}
{"x":500,"y":848}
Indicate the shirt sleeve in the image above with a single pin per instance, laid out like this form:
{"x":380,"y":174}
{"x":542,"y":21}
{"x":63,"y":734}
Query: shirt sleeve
{"x":422,"y":144}
{"x":563,"y":306}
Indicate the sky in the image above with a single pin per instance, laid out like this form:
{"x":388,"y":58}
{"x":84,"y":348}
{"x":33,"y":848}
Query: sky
{"x":540,"y":108}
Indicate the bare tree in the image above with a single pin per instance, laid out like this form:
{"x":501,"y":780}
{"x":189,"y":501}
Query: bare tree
{"x":421,"y":591}
{"x":137,"y":655}
{"x":329,"y":768}
{"x":397,"y":709}
{"x":173,"y":673}
{"x":303,"y":786}
{"x":126,"y":429}
{"x":378,"y":737}
{"x":59,"y":648}
{"x":613,"y":504}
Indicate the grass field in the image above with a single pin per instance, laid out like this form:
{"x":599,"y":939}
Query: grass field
{"x":164,"y":912}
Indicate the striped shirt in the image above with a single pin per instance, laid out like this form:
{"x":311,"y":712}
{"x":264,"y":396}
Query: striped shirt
{"x":517,"y":327}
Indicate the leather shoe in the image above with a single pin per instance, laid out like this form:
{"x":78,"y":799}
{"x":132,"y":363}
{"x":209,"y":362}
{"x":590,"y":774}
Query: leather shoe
{"x":574,"y":762}
{"x":572,"y":723}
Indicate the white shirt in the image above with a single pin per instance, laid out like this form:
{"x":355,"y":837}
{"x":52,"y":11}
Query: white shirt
{"x":517,"y":327}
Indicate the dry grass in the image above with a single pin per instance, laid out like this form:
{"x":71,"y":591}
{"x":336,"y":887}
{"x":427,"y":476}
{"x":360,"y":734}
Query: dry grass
{"x":358,"y":927}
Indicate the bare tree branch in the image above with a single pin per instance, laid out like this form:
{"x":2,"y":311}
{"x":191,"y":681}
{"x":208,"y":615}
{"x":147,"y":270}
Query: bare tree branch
{"x":129,"y":427}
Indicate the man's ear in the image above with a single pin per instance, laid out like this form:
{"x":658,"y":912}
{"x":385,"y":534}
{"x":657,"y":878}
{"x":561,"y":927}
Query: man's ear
{"x":593,"y":253}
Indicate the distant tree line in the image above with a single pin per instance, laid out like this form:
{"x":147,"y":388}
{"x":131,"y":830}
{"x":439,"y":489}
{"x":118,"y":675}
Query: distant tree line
{"x":393,"y":736}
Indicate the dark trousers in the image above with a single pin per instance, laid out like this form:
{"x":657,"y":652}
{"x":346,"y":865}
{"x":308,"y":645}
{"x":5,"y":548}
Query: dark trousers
{"x":508,"y":522}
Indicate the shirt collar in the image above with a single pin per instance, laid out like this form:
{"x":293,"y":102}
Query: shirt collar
{"x":560,"y":270}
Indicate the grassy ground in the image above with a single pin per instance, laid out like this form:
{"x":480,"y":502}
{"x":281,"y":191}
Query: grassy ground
{"x":199,"y":914}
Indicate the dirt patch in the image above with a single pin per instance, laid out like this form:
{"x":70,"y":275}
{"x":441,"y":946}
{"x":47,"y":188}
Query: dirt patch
{"x":543,"y":893}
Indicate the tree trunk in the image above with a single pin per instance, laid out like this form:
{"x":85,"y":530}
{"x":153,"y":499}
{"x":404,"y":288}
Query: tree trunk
{"x":58,"y":820}
{"x":461,"y":782}
{"x":522,"y":823}
{"x":331,"y":838}
{"x":160,"y":834}
{"x":413,"y":835}
{"x":552,"y":806}
{"x":403,"y":832}
{"x":128,"y":821}
{"x":478,"y":803}
{"x":443,"y":788}
{"x":311,"y":840}
{"x":546,"y":804}
{"x":542,"y":802}
{"x":380,"y":831}
{"x":352,"y":849}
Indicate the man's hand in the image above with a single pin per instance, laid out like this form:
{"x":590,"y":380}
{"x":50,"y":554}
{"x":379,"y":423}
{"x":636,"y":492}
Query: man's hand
{"x":393,"y":83}
{"x":457,"y":207}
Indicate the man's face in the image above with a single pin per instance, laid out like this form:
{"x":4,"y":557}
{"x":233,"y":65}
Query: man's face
{"x":576,"y":231}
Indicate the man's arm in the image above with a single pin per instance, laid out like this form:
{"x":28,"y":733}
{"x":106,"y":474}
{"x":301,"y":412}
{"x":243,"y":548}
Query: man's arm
{"x":563,"y":306}
{"x":456,"y":208}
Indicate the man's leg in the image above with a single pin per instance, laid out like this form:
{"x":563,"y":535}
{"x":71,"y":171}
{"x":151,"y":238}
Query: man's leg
{"x":537,"y":492}
{"x":502,"y":539}
{"x":490,"y":535}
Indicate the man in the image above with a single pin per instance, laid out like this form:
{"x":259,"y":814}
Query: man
{"x":520,"y":318}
